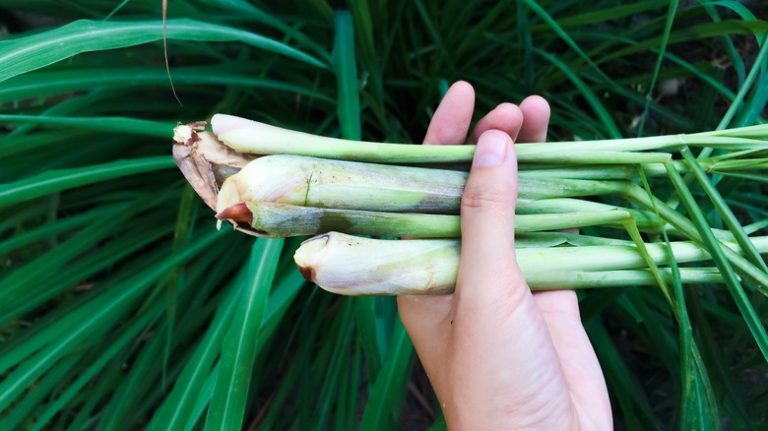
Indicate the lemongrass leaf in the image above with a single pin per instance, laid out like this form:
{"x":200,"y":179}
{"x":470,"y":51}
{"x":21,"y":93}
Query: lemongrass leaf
{"x":751,"y":317}
{"x":390,"y":385}
{"x":238,"y":353}
{"x":64,"y":179}
{"x":105,"y":124}
{"x":725,"y":212}
{"x":698,"y":400}
{"x":33,"y":52}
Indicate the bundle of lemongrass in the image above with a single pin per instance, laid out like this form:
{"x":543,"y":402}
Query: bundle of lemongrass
{"x":269,"y":181}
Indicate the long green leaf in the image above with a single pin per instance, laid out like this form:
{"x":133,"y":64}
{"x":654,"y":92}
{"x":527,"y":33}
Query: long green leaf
{"x":387,"y":393}
{"x":33,"y":52}
{"x":64,"y":179}
{"x":238,"y":354}
{"x":751,"y":318}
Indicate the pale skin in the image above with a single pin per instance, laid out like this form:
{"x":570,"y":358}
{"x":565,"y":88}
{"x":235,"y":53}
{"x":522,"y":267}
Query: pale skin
{"x":497,"y":355}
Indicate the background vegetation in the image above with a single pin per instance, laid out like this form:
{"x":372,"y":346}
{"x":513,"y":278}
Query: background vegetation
{"x":122,"y":307}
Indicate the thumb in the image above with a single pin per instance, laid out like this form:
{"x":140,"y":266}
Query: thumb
{"x":488,"y":269}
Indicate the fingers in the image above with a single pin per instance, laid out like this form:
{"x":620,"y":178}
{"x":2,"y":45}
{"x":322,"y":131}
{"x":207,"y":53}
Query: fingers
{"x":426,"y":317}
{"x":536,"y":112}
{"x":554,"y":304}
{"x":560,"y":309}
{"x":487,"y":269}
{"x":450,"y":124}
{"x":506,"y":117}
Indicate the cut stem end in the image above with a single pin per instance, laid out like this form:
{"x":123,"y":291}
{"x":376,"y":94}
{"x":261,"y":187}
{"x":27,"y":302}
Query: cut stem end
{"x":238,"y":213}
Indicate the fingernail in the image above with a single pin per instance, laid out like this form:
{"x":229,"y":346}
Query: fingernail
{"x":491,"y":149}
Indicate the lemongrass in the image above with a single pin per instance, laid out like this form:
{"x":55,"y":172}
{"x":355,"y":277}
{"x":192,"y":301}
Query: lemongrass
{"x":258,"y":138}
{"x":340,"y":184}
{"x":283,"y":220}
{"x":313,"y":183}
{"x":310,"y":181}
{"x":205,"y":161}
{"x":644,"y":219}
{"x":246,"y":136}
{"x":351,"y":265}
{"x":601,"y":172}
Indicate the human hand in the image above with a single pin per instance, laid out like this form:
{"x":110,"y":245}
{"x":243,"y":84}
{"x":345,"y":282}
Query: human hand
{"x":498,"y":356}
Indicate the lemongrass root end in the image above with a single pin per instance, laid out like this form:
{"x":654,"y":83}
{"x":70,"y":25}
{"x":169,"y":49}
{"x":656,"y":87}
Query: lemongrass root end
{"x":238,"y":213}
{"x":309,"y":254}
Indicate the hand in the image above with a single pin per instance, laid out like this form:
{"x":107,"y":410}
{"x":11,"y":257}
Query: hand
{"x":498,"y":356}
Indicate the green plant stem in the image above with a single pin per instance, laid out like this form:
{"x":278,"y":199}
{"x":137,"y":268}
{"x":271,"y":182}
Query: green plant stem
{"x":281,"y":220}
{"x":395,"y":267}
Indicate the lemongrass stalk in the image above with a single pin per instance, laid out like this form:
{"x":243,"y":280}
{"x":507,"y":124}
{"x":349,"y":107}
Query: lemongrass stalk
{"x":351,"y":265}
{"x":728,"y":166}
{"x":246,"y":136}
{"x":605,"y":172}
{"x":267,"y":140}
{"x":258,"y":138}
{"x":282,"y":220}
{"x":645,"y":220}
{"x":618,"y":278}
{"x":756,"y":226}
{"x":310,"y":181}
{"x":553,"y":239}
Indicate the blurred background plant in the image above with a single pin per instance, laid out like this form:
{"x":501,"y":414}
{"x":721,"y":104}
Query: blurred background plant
{"x":122,"y":307}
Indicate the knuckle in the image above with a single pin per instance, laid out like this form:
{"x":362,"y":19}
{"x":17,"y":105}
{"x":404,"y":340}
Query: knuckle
{"x":519,"y":291}
{"x":485,"y":198}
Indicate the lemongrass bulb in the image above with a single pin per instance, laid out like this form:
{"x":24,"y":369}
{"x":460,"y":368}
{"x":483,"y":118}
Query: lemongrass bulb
{"x":309,"y":181}
{"x":351,"y":265}
{"x":325,"y":183}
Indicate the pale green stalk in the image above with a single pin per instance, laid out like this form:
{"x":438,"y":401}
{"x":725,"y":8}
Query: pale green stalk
{"x":594,"y":172}
{"x":353,"y":265}
{"x":618,"y":278}
{"x":282,"y":220}
{"x":644,"y":219}
{"x":251,"y":137}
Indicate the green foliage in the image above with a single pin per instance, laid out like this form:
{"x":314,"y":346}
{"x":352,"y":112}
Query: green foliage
{"x":122,"y":307}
